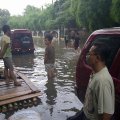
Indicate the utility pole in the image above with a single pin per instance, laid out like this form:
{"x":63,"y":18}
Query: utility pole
{"x":52,"y":2}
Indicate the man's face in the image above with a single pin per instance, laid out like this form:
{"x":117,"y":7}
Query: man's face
{"x":92,"y":57}
{"x":9,"y":32}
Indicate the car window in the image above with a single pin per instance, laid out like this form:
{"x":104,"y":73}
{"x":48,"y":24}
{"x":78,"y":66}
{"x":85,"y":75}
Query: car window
{"x":115,"y":69}
{"x":25,"y":38}
{"x":114,"y":43}
{"x":119,"y":74}
{"x":118,"y":65}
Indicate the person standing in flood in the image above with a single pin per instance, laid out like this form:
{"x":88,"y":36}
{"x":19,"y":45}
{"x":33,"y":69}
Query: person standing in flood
{"x":49,"y":57}
{"x":66,"y":38}
{"x":72,"y":38}
{"x":76,"y":42}
{"x":6,"y":55}
{"x":66,"y":41}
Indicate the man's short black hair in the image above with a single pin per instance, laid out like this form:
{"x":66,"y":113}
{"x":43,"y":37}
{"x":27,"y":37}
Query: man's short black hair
{"x":49,"y":36}
{"x":5,"y":28}
{"x":102,"y":50}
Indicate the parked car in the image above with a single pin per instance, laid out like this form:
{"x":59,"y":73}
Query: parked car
{"x":22,"y":41}
{"x":111,"y":37}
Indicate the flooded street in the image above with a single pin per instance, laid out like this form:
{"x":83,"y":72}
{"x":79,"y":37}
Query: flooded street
{"x":58,"y":99}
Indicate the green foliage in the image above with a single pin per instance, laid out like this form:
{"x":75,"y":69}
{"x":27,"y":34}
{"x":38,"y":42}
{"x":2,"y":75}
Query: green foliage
{"x":115,"y":11}
{"x":90,"y":14}
{"x":4,"y":17}
{"x":93,"y":14}
{"x":17,"y":22}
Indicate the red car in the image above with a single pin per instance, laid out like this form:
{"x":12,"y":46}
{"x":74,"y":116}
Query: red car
{"x":110,"y":36}
{"x":21,"y":41}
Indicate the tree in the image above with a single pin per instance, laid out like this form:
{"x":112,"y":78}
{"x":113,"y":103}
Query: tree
{"x":90,"y":14}
{"x":4,"y":17}
{"x":115,"y":11}
{"x":93,"y":14}
{"x":17,"y":22}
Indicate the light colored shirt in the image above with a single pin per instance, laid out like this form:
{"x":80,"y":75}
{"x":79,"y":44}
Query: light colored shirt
{"x":6,"y":40}
{"x":99,"y":96}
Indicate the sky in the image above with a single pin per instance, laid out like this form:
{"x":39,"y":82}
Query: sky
{"x":16,"y":7}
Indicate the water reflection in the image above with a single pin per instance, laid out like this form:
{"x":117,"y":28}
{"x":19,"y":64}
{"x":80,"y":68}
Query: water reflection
{"x":26,"y":61}
{"x":51,"y":94}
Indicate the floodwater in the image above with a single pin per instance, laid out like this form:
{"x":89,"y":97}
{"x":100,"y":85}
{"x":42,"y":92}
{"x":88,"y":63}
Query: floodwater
{"x":58,"y":99}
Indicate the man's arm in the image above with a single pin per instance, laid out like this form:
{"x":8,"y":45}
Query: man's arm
{"x":45,"y":55}
{"x":106,"y":116}
{"x":4,"y":50}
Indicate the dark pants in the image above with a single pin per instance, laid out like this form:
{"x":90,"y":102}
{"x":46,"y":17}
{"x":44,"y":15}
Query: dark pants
{"x":78,"y":116}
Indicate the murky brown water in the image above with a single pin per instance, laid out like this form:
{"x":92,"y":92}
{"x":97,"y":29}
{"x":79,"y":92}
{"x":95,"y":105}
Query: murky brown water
{"x":58,"y":100}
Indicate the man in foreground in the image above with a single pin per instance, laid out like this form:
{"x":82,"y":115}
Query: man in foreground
{"x":99,"y":98}
{"x":6,"y":55}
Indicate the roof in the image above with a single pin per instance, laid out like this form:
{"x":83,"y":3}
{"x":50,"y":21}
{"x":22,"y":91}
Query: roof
{"x":20,"y":30}
{"x":114,"y":30}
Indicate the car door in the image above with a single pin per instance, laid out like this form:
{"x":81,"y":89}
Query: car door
{"x":115,"y":72}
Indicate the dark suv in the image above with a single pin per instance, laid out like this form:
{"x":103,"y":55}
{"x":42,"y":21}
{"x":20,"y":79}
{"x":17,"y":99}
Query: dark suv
{"x":111,"y":37}
{"x":22,"y":41}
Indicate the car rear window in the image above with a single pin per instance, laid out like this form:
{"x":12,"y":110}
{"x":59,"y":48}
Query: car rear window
{"x":23,"y":36}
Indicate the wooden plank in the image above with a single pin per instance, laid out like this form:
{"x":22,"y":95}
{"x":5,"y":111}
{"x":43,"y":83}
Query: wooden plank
{"x":2,"y":82}
{"x":11,"y":85}
{"x":13,"y":95}
{"x":19,"y":98}
{"x":15,"y":88}
{"x":12,"y":89}
{"x":33,"y":87}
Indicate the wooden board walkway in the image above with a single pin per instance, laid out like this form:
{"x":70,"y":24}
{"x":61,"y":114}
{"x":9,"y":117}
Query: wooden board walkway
{"x":14,"y":94}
